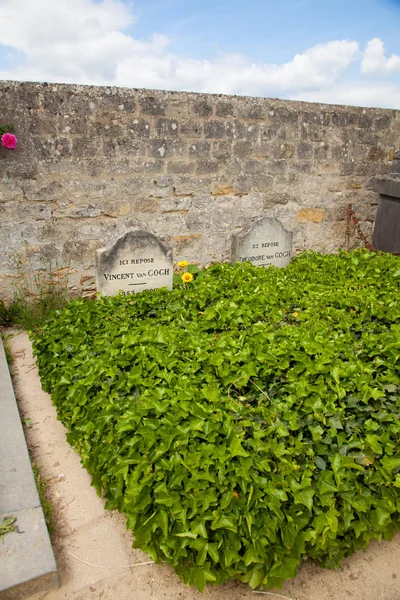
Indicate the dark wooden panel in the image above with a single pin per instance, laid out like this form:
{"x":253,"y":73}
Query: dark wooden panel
{"x":387,"y":225}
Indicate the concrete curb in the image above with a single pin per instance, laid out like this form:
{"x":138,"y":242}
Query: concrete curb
{"x":27,"y":563}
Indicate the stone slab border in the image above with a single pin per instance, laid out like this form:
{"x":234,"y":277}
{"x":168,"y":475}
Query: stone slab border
{"x":27,"y":563}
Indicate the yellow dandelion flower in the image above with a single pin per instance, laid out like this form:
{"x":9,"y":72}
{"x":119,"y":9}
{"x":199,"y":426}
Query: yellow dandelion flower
{"x":295,"y":314}
{"x":183,"y":263}
{"x":186,"y":277}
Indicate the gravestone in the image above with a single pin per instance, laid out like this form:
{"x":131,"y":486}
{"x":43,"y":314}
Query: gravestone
{"x":137,"y":261}
{"x":263,"y":242}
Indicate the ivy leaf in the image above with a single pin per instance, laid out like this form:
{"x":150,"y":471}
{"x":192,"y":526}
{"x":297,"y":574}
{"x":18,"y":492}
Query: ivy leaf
{"x":236,"y":448}
{"x":305,"y":496}
{"x":321,"y":464}
{"x":224,"y":522}
{"x":390,"y":463}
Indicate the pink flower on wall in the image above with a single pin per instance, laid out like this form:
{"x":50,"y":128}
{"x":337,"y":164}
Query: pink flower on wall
{"x":9,"y":140}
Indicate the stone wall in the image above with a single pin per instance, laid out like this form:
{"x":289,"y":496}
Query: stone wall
{"x":93,"y":161}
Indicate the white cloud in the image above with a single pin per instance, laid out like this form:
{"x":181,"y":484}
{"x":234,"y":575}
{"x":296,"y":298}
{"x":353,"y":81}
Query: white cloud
{"x":375,"y":62}
{"x":385,"y":95}
{"x":234,"y":74}
{"x":82,"y":41}
{"x":67,"y":40}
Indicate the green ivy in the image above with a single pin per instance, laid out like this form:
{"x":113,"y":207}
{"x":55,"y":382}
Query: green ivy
{"x":6,"y":128}
{"x":242,"y":422}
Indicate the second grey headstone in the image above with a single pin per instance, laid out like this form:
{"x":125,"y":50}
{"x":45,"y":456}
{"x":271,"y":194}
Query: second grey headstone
{"x":264,"y":242}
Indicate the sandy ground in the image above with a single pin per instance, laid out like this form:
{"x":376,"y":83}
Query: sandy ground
{"x":93,"y":549}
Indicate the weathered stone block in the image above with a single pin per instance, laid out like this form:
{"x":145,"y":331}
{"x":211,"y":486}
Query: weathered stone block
{"x":222,"y":151}
{"x":180,"y":149}
{"x":224,"y":109}
{"x":151,"y":166}
{"x":214,"y":129}
{"x":304,"y":150}
{"x":252,"y":206}
{"x":112,"y":129}
{"x":376,"y":153}
{"x":163,"y":192}
{"x":222,"y":189}
{"x":284,"y":114}
{"x":277,"y":197}
{"x":254,"y":112}
{"x":202,"y":108}
{"x":247,"y":131}
{"x":263,"y":149}
{"x":321,"y":152}
{"x":43,"y":123}
{"x":310,"y":215}
{"x":284,"y":150}
{"x":206,"y":167}
{"x":167,"y":127}
{"x":84,"y":146}
{"x":243,"y":183}
{"x":382,"y":122}
{"x":164,"y":181}
{"x":152,"y":105}
{"x":112,"y":103}
{"x":74,"y":124}
{"x":116,"y":207}
{"x":53,"y":100}
{"x":313,"y":133}
{"x":303,"y":167}
{"x":261,"y":182}
{"x":76,"y":250}
{"x":346,"y":167}
{"x":242,"y":149}
{"x":180,"y":204}
{"x":138,"y":127}
{"x":75,"y":212}
{"x":191,"y":128}
{"x":186,"y":244}
{"x":160,"y":148}
{"x":142,"y":204}
{"x":11,"y":192}
{"x":17,"y":212}
{"x":180,"y":167}
{"x":190,"y":185}
{"x":252,"y":167}
{"x":95,"y":167}
{"x":199,"y":149}
{"x":130,"y":146}
{"x":276,"y":166}
{"x":39,"y":190}
{"x":316,"y":118}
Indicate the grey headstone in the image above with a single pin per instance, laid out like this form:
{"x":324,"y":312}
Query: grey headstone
{"x":137,"y":261}
{"x":263,"y":242}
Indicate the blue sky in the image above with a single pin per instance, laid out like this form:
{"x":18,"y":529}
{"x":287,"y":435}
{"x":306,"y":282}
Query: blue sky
{"x":265,"y":30}
{"x":339,"y":51}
